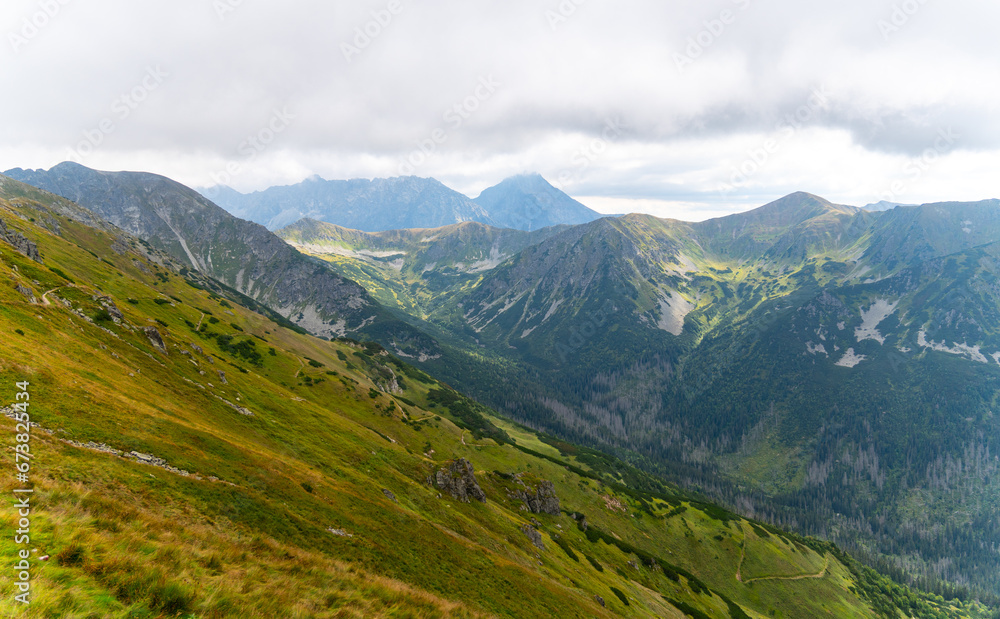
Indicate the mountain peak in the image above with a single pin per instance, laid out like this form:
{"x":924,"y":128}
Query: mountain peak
{"x":529,"y":202}
{"x":794,"y":208}
{"x":525,"y":181}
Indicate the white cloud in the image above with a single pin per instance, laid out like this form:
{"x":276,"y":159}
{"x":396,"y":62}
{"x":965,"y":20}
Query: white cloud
{"x":888,"y":94}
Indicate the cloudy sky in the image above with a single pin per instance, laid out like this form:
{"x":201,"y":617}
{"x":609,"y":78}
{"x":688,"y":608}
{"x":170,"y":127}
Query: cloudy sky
{"x":686,"y":109}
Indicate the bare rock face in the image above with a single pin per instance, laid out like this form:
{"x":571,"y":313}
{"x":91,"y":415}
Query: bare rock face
{"x":154,"y":338}
{"x":19,"y":242}
{"x":459,"y":480}
{"x":542,"y":500}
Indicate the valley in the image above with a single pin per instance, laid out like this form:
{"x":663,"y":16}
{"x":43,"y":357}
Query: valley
{"x":759,"y":353}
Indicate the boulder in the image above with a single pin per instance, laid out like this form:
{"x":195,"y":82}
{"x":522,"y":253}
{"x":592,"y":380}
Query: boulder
{"x":542,"y":500}
{"x":459,"y":480}
{"x":113,"y":311}
{"x":27,"y":292}
{"x":532,"y":534}
{"x":154,"y":338}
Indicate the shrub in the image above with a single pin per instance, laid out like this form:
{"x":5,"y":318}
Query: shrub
{"x":621,"y":596}
{"x":171,"y":598}
{"x":61,"y":274}
{"x":71,"y":556}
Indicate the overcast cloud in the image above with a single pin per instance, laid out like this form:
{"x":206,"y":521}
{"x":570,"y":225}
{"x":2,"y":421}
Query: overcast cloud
{"x":686,"y":109}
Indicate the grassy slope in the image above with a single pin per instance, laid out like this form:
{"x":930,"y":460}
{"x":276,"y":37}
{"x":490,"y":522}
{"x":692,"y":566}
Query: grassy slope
{"x":247,"y":534}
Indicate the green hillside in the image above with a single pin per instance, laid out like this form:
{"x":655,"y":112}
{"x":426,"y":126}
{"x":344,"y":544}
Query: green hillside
{"x":413,"y":270}
{"x":193,"y":457}
{"x":821,"y":367}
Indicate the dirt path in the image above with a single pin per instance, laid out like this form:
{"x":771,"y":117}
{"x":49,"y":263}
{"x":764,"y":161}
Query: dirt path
{"x":820,"y":574}
{"x":45,"y":295}
{"x":199,"y":321}
{"x":422,"y":419}
{"x":739,"y":567}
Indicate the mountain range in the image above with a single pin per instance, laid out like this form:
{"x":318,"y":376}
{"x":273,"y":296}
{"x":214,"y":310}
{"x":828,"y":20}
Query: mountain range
{"x":762,"y":357}
{"x":824,"y":368}
{"x":524,"y":202}
{"x":236,"y":253}
{"x":193,"y":456}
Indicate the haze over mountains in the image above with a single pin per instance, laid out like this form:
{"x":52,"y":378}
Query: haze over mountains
{"x":525,"y":202}
{"x":825,"y":367}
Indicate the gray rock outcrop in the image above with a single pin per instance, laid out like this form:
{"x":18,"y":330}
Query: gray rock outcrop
{"x":459,"y":480}
{"x":19,"y":242}
{"x":542,"y":500}
{"x":532,"y":534}
{"x":27,"y":292}
{"x":113,"y":311}
{"x":154,"y":338}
